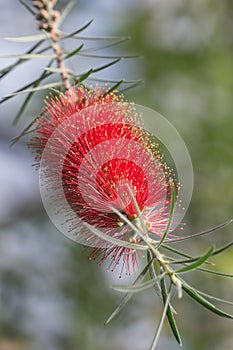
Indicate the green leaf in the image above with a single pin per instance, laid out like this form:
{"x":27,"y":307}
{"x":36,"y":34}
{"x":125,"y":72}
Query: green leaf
{"x":215,"y":252}
{"x":24,"y":132}
{"x":201,"y":300}
{"x":29,"y":56}
{"x":176,"y":251}
{"x":72,"y":53}
{"x":217,"y":273}
{"x":188,"y":261}
{"x":8,"y":69}
{"x":115,"y":241}
{"x":36,"y":37}
{"x":222,"y":249}
{"x":108,"y":57}
{"x":65,"y":11}
{"x":153,"y":275}
{"x":114,"y":81}
{"x":131,"y":83}
{"x":106,"y":65}
{"x":115,"y":43}
{"x":197,"y":263}
{"x":114,"y":87}
{"x":159,"y":328}
{"x":22,"y":108}
{"x":23,"y":88}
{"x":58,"y":70}
{"x":29,"y":96}
{"x":128,"y":296}
{"x":170,"y":315}
{"x":173,"y":195}
{"x":135,"y":288}
{"x":202,"y":232}
{"x":131,"y":86}
{"x":27,"y":7}
{"x":101,"y":38}
{"x":209,"y":296}
{"x":83,"y":76}
{"x":70,"y":35}
{"x":38,"y":88}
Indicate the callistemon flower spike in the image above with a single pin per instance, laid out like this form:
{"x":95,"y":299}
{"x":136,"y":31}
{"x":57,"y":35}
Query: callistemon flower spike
{"x":92,"y":147}
{"x":63,"y":106}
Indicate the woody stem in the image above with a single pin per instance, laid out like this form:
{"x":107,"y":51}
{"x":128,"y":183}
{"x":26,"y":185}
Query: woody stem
{"x":48,"y":21}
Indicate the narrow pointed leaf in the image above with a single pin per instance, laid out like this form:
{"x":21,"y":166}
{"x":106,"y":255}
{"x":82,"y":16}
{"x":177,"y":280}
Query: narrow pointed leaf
{"x":113,"y":81}
{"x":23,"y":133}
{"x":8,"y":69}
{"x":170,"y":215}
{"x":209,"y":296}
{"x":213,"y":229}
{"x":217,"y":273}
{"x":176,"y":251}
{"x":170,"y":315}
{"x":131,"y":83}
{"x":58,"y":70}
{"x":99,"y":48}
{"x":135,"y":288}
{"x":46,"y":48}
{"x":215,"y":252}
{"x":101,"y":38}
{"x":153,"y":275}
{"x":128,"y":296}
{"x":70,"y":35}
{"x":115,"y":241}
{"x":222,"y":249}
{"x":27,"y":7}
{"x":83,"y":76}
{"x":38,"y":88}
{"x":23,"y":88}
{"x":29,"y":96}
{"x":22,"y":108}
{"x":201,"y":300}
{"x":29,"y":56}
{"x":159,"y":328}
{"x":98,"y":69}
{"x":107,"y":57}
{"x":65,"y":11}
{"x":36,"y":37}
{"x":131,"y":86}
{"x":197,"y":263}
{"x":114,"y":87}
{"x":188,"y":261}
{"x":74,"y":52}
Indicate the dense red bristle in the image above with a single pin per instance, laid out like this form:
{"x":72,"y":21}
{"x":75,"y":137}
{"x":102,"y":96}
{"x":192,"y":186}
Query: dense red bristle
{"x":106,"y":149}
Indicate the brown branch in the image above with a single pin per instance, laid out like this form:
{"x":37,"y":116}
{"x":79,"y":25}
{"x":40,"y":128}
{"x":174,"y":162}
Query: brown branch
{"x":48,"y":18}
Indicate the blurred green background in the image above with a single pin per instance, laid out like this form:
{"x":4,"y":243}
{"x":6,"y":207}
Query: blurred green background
{"x":51,"y":296}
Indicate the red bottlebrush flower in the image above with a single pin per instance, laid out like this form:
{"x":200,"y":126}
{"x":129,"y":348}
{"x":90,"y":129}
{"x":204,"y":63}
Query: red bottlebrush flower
{"x":59,"y":108}
{"x":92,"y":147}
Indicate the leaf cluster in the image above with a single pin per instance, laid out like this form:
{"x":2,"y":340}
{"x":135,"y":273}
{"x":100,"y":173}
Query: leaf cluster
{"x":49,"y":78}
{"x":168,"y":277}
